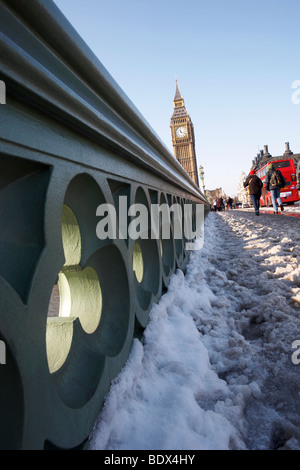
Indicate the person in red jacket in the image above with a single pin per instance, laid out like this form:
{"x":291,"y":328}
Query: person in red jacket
{"x":255,"y":186}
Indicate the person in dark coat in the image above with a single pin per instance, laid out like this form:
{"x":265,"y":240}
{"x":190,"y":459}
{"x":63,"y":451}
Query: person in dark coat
{"x":229,"y":203}
{"x":274,"y":182}
{"x":255,"y":186}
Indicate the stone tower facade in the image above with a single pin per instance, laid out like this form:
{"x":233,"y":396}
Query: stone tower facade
{"x":183,"y":137}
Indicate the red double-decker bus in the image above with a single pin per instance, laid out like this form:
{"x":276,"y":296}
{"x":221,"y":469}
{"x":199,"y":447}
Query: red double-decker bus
{"x":289,"y":194}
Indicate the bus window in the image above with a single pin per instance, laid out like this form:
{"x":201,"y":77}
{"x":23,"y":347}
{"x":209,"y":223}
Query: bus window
{"x":285,"y":164}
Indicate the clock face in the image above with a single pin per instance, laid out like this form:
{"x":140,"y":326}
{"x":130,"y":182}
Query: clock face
{"x":181,"y":132}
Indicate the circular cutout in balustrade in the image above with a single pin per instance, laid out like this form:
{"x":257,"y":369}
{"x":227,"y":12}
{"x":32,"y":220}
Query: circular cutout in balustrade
{"x":138,"y":262}
{"x":177,"y":225}
{"x":109,"y":265}
{"x":79,"y":294}
{"x":93,"y":323}
{"x":166,"y":238}
{"x":146,"y":263}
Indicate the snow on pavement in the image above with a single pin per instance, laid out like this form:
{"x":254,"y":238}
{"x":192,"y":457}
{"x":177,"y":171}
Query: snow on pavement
{"x":215,"y":369}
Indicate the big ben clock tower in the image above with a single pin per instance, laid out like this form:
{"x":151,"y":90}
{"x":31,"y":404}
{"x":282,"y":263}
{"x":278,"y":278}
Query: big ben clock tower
{"x":183,"y":138}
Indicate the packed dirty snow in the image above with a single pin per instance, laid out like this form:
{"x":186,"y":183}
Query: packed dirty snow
{"x":217,"y":368}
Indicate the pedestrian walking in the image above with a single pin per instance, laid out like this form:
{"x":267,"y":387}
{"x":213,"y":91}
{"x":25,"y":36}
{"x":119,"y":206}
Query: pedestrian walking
{"x":255,"y":186}
{"x":229,"y":203}
{"x":221,"y":205}
{"x":215,"y":205}
{"x":274,"y":182}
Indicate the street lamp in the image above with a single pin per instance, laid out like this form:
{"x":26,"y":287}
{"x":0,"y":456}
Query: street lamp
{"x":201,"y":173}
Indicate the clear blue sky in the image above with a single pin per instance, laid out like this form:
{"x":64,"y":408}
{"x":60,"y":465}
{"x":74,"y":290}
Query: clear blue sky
{"x":235,"y":61}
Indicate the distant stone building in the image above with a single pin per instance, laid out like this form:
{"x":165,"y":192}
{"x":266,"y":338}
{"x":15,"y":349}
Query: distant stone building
{"x":243,"y":193}
{"x":265,"y":157}
{"x":215,"y":194}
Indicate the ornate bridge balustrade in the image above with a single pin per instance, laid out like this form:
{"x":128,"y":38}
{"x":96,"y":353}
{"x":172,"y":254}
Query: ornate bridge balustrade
{"x":70,"y":141}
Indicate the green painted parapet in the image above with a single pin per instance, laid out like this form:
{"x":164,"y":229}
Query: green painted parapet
{"x":71,"y":302}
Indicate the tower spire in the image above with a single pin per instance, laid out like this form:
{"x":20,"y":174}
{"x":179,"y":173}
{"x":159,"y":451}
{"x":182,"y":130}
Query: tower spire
{"x":179,"y":107}
{"x":177,"y":92}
